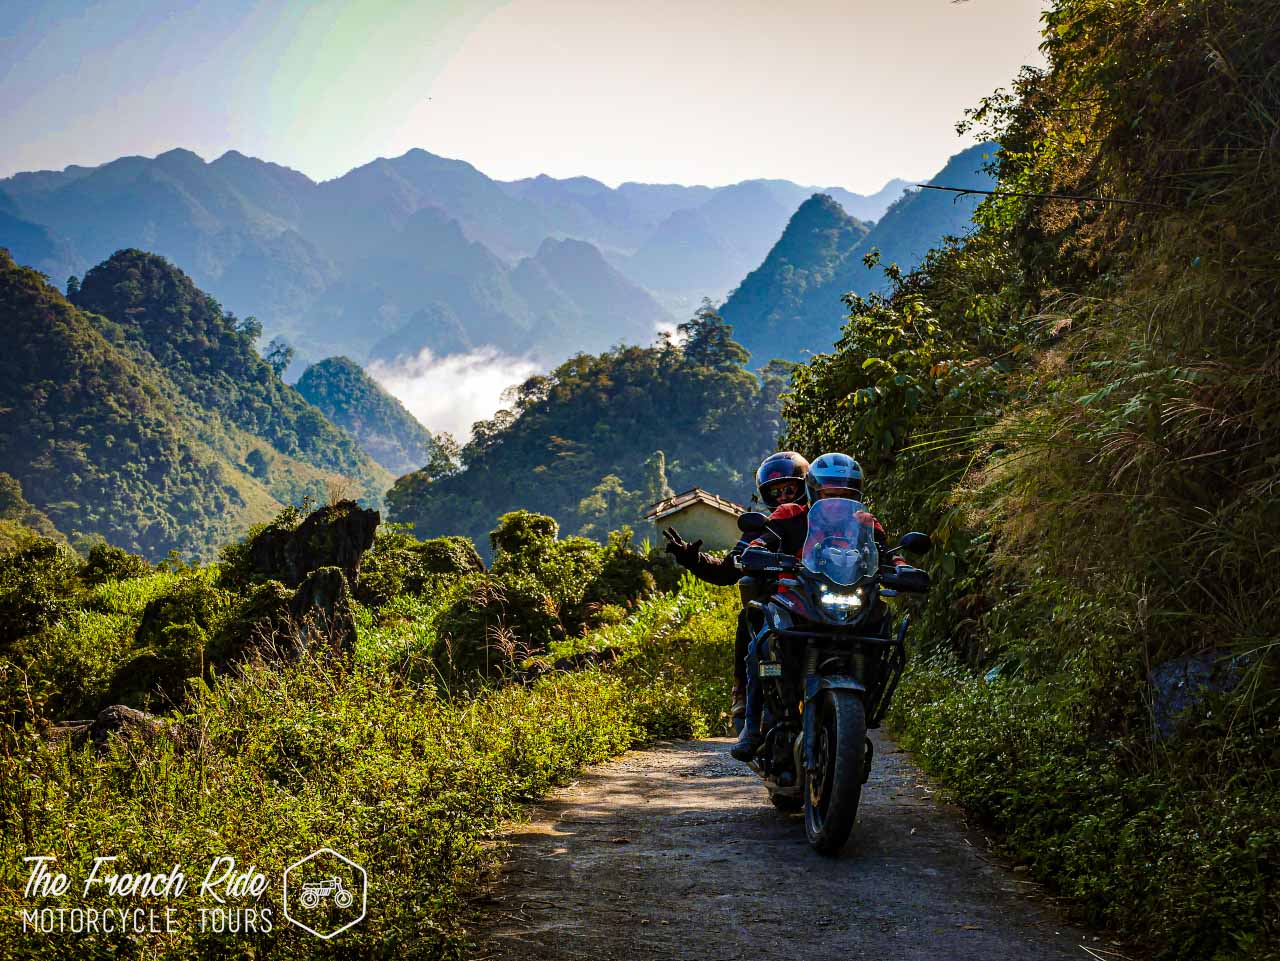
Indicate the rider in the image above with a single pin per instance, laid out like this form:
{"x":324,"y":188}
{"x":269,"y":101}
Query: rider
{"x":780,"y":479}
{"x":831,"y":475}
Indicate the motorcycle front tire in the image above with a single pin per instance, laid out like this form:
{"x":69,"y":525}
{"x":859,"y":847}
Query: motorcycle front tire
{"x":832,"y":793}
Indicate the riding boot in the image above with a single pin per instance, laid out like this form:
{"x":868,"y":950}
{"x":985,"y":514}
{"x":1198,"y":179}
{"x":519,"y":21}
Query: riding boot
{"x":749,"y":742}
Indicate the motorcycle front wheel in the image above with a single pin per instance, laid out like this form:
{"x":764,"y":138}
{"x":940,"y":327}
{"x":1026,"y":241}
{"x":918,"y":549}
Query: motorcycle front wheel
{"x":832,"y":791}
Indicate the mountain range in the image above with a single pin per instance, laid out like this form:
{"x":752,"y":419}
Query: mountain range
{"x":416,"y":251}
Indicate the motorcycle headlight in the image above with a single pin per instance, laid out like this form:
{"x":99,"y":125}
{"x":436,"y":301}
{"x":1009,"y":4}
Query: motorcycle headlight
{"x":843,"y":602}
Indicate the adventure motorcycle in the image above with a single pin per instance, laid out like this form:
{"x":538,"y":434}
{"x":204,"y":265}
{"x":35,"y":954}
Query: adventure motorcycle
{"x":827,"y":660}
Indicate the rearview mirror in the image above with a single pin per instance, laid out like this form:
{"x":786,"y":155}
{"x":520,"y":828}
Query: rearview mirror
{"x":752,"y":522}
{"x":916,"y":543}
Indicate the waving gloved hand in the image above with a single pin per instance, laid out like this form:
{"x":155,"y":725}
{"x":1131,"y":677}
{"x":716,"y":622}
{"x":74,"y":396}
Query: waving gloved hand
{"x":684,"y":552}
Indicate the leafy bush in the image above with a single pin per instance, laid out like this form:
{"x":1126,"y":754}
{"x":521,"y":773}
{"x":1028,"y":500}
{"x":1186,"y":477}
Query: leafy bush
{"x":34,"y":581}
{"x":1078,"y":402}
{"x":169,"y":644}
{"x":493,"y":622}
{"x":399,"y":563}
{"x":1141,"y":840}
{"x":106,"y":563}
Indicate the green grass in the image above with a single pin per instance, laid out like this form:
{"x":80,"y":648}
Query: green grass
{"x":370,"y":758}
{"x":132,"y":595}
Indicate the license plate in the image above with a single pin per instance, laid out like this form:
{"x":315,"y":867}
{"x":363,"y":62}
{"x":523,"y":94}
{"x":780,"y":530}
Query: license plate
{"x":771,"y":670}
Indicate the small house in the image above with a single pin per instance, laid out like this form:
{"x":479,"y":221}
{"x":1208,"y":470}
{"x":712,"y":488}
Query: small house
{"x":697,"y":515}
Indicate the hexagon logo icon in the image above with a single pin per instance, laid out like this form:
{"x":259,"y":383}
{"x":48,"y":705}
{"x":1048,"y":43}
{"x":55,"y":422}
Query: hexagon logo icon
{"x":325,"y":893}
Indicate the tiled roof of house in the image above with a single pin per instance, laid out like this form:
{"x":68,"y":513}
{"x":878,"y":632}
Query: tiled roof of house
{"x":673,"y":505}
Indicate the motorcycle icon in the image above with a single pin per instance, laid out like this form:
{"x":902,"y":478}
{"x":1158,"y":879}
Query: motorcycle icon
{"x":313,"y":892}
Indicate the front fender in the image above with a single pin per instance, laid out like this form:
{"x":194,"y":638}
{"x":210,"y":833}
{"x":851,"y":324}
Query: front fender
{"x":814,"y":685}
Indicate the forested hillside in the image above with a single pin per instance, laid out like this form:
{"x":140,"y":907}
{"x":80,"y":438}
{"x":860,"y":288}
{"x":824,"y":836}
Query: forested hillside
{"x":1081,"y":402}
{"x":142,"y":413}
{"x":341,"y":390}
{"x":601,"y":437}
{"x":792,"y":304}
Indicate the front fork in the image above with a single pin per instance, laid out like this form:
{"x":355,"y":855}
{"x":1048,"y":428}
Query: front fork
{"x":814,"y":685}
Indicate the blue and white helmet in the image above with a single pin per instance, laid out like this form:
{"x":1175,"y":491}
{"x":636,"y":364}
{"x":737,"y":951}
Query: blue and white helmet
{"x":834,"y":475}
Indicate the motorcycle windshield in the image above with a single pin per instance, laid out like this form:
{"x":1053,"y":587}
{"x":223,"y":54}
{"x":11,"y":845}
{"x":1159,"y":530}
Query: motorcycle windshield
{"x":842,"y":542}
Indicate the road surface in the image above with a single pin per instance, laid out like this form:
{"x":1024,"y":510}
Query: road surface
{"x":676,"y":853}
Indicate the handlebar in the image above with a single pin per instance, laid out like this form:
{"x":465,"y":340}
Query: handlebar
{"x":758,"y":560}
{"x":912,"y":580}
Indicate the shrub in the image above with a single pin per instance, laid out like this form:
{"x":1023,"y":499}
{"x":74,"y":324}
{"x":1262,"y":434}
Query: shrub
{"x":34,"y":582}
{"x":169,"y":643}
{"x":106,"y":563}
{"x":494,"y":622}
{"x":399,"y":563}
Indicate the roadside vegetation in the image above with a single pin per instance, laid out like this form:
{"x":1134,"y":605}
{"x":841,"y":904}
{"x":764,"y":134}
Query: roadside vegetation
{"x":1079,"y":401}
{"x":465,"y":693}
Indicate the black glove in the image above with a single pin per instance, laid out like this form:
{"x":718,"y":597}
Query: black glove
{"x":686,"y":554}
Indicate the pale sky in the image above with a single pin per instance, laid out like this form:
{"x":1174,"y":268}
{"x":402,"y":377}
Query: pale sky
{"x":826,"y":92}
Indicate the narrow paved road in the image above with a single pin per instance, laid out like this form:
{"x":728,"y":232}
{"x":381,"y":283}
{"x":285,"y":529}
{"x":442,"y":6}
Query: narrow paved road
{"x":676,"y":853}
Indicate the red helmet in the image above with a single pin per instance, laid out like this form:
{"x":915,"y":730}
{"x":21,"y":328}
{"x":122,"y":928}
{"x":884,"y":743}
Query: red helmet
{"x":776,"y":469}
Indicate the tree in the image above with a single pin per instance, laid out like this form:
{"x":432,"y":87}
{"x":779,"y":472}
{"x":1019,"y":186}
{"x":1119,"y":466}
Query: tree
{"x":279,"y":355}
{"x":257,"y":464}
{"x":708,"y":340}
{"x":446,"y":456}
{"x":250,"y":327}
{"x":655,"y":487}
{"x":73,"y":286}
{"x":606,"y":508}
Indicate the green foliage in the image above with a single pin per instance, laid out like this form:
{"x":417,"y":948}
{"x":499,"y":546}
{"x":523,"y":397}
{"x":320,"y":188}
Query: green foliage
{"x":16,"y":509}
{"x":146,"y":427}
{"x":540,"y":592}
{"x":398,"y":563}
{"x":1078,"y":401}
{"x":354,"y":401}
{"x":1140,"y":839}
{"x":279,"y":356}
{"x":91,"y":436}
{"x":107,"y":563}
{"x":157,"y":308}
{"x":768,"y":308}
{"x":34,"y":581}
{"x":596,"y":418}
{"x":422,"y":779}
{"x":170,"y":643}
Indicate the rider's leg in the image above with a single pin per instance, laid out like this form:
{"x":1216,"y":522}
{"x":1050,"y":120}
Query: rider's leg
{"x":749,"y":740}
{"x":741,"y":641}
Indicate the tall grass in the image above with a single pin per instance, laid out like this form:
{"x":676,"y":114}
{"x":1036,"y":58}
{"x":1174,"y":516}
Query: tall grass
{"x":367,"y":758}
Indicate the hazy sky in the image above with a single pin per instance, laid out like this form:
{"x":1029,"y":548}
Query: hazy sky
{"x":825,"y":92}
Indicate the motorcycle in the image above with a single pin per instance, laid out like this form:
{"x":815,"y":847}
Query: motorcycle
{"x":827,"y":659}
